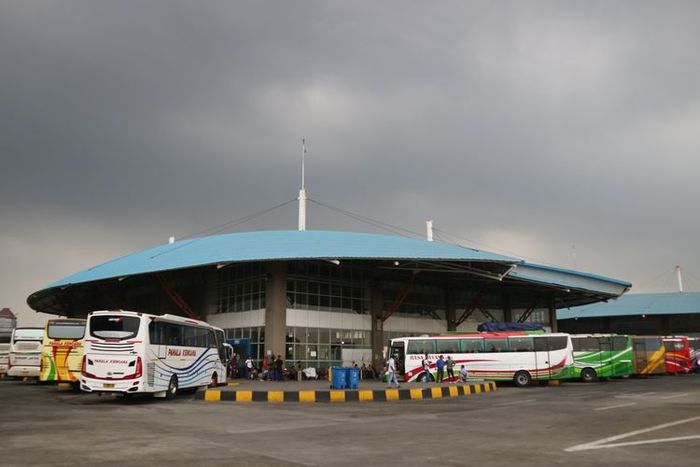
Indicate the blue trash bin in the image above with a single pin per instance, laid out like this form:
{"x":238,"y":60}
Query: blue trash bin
{"x":353,"y":377}
{"x":338,"y":380}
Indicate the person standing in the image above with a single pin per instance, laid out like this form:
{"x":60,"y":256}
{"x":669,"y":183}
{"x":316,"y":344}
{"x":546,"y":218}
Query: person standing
{"x":440,"y":364}
{"x":450,"y":365}
{"x":426,"y":369}
{"x":249,"y":367}
{"x":279,"y":363}
{"x":391,"y":373}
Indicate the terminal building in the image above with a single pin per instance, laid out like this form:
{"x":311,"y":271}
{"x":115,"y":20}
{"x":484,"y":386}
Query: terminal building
{"x":326,"y":297}
{"x":665,"y":314}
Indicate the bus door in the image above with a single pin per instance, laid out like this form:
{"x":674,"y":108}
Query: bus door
{"x":605,"y":364}
{"x":639,"y":355}
{"x":399,"y":353}
{"x":542,"y":361}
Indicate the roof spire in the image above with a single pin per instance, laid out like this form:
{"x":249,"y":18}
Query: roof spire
{"x":302,"y":191}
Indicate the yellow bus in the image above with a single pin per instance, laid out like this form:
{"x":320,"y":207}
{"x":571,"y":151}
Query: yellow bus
{"x":62,"y":350}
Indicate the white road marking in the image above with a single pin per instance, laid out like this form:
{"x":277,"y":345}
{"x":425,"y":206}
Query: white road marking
{"x":601,"y":443}
{"x":646,"y":441}
{"x":674,"y":396}
{"x":626,"y":395}
{"x":616,"y":406}
{"x":506,"y":404}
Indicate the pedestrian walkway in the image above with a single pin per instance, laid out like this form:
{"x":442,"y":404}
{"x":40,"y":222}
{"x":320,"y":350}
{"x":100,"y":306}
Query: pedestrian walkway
{"x":320,"y":391}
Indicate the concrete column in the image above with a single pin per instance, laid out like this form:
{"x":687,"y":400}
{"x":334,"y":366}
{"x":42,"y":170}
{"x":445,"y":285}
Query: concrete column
{"x":275,"y":307}
{"x":209,"y":297}
{"x":507,"y":309}
{"x":376,"y":307}
{"x":450,"y":311}
{"x":553,"y":314}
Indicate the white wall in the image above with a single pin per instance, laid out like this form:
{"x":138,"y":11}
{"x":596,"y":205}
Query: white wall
{"x":241,"y":319}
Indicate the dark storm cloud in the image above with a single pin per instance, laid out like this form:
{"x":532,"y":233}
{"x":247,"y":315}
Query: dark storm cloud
{"x":527,"y":127}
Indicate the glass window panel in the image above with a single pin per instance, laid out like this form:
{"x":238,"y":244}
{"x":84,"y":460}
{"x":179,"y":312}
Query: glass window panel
{"x":443,"y":346}
{"x":496,"y":345}
{"x":521,"y":344}
{"x":472,"y":345}
{"x":324,"y":336}
{"x":421,"y":346}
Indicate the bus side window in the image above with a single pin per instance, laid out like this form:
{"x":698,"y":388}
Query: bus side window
{"x":155,"y":333}
{"x":212,"y":339}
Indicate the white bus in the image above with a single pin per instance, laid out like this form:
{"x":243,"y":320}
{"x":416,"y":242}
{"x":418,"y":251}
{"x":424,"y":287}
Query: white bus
{"x":516,"y":356}
{"x":25,"y":352}
{"x":128,"y":352}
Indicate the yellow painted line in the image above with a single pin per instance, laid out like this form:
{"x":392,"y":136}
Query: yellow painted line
{"x":365,"y":395}
{"x":477,"y":388}
{"x":212,"y":395}
{"x":307,"y":396}
{"x":63,"y":386}
{"x":416,"y":394}
{"x":467,"y":389}
{"x":453,"y":391}
{"x":487,"y":387}
{"x":436,"y":393}
{"x":231,"y":383}
{"x":244,"y":396}
{"x":493,"y":386}
{"x":275,"y":396}
{"x":392,"y":394}
{"x":337,"y":396}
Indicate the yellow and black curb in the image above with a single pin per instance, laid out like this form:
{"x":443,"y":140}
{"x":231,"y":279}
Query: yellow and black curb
{"x":360,"y":395}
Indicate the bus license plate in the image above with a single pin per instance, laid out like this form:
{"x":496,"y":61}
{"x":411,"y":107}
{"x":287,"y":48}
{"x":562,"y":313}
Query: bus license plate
{"x":108,"y":385}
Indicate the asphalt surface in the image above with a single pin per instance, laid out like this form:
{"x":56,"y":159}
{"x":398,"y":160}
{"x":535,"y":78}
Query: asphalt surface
{"x":648,"y":422}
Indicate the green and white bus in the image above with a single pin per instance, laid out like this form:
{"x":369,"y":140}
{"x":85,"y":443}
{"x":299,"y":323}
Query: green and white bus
{"x":601,"y":356}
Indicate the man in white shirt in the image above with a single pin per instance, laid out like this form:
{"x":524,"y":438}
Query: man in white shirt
{"x":391,"y":372}
{"x":249,"y":367}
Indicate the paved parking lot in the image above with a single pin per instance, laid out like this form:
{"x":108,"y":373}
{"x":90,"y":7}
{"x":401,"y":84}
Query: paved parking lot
{"x":648,"y":422}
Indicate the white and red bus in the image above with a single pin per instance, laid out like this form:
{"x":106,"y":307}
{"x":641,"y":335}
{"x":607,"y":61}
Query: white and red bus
{"x":128,"y":353}
{"x":678,"y":354}
{"x":516,"y":356}
{"x":25,"y":352}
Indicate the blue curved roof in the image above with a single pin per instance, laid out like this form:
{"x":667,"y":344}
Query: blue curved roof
{"x":279,"y":245}
{"x":638,"y":304}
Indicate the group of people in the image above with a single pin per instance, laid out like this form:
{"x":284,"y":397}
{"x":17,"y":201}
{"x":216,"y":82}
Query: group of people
{"x":440,"y":365}
{"x":271,"y":369}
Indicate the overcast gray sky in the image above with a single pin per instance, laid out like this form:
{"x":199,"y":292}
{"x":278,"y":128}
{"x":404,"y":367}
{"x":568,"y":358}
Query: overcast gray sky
{"x":562,"y":132}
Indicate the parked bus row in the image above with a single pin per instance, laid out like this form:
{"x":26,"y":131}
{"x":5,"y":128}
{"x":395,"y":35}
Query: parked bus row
{"x":523,"y":356}
{"x":121,"y":352}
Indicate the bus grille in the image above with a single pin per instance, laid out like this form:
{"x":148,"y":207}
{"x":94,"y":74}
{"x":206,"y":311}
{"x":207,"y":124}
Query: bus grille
{"x":112,"y":348}
{"x":151,"y":368}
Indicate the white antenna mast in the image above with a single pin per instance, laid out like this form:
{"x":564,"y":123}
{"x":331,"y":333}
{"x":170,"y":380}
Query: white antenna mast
{"x":302,"y":191}
{"x":680,"y":279}
{"x":429,"y":230}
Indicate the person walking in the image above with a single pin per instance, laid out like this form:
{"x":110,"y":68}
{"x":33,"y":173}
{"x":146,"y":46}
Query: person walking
{"x":426,"y":369}
{"x":391,"y":373}
{"x":440,"y":364}
{"x":450,"y":365}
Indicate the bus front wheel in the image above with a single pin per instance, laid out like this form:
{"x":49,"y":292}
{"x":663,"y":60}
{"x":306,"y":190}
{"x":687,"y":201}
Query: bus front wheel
{"x":521,"y":379}
{"x":588,"y":375}
{"x":172,"y":388}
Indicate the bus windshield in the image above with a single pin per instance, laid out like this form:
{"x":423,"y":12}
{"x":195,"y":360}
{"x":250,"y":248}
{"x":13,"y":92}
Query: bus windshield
{"x":114,"y":327}
{"x":28,"y":334}
{"x":65,"y":330}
